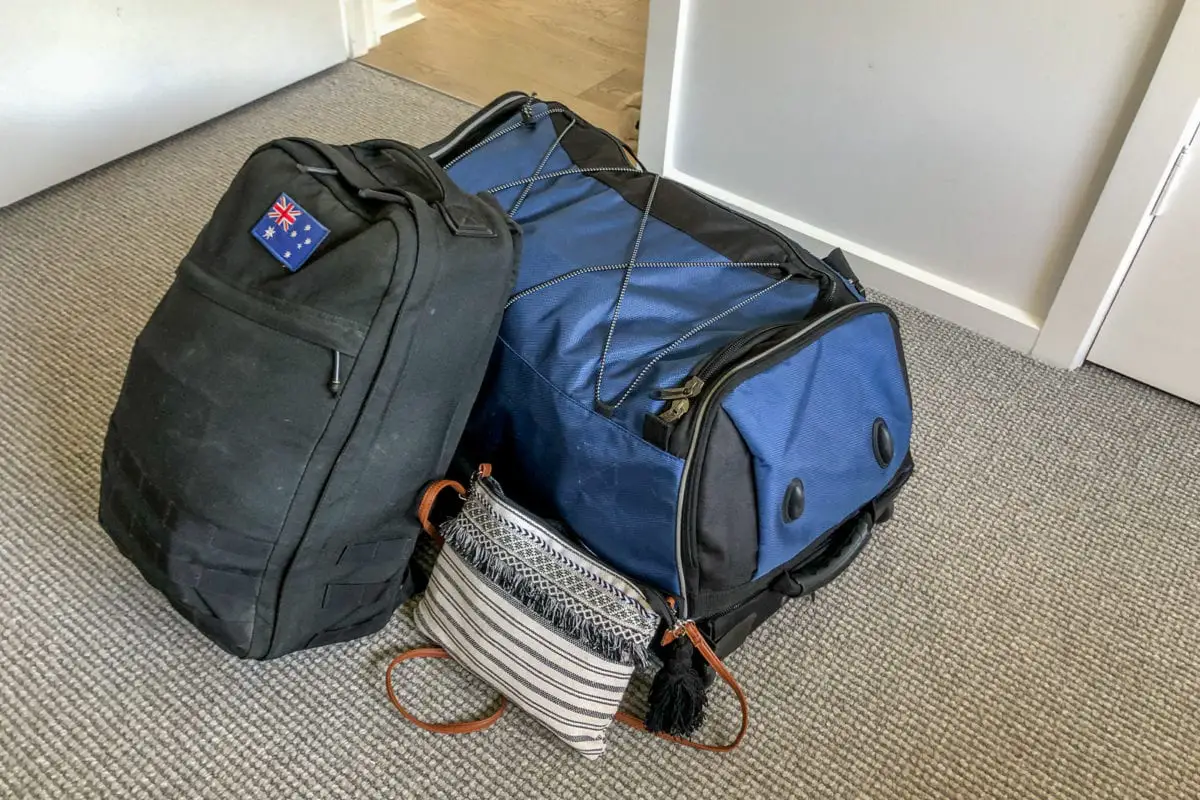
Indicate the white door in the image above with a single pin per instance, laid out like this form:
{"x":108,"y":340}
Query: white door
{"x":1152,"y":330}
{"x":85,"y":81}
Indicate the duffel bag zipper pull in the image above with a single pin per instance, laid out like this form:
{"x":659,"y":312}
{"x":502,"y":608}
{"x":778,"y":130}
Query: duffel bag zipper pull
{"x":681,"y":399}
{"x":335,"y":382}
{"x":527,"y":109}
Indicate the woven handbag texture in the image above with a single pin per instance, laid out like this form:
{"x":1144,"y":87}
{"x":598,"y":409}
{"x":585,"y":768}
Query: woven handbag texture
{"x":556,"y":631}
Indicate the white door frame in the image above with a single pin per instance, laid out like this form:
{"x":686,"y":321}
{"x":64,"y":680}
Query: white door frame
{"x":1114,"y":232}
{"x":660,"y":84}
{"x":1164,"y":123}
{"x":367,"y":21}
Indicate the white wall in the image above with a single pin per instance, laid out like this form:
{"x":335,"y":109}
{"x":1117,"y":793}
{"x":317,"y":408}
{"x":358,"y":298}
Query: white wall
{"x":85,"y":81}
{"x":956,"y":146}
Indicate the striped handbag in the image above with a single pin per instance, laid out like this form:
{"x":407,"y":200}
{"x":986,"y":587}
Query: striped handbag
{"x":552,"y":628}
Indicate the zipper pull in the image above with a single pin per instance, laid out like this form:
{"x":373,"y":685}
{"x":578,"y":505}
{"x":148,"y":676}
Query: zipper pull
{"x":678,"y":631}
{"x":527,"y":110}
{"x":691,"y":388}
{"x":676,"y":411}
{"x":335,"y":383}
{"x":681,"y":399}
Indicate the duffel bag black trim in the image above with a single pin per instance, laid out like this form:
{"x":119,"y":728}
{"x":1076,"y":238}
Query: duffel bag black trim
{"x":810,"y":563}
{"x":694,"y":214}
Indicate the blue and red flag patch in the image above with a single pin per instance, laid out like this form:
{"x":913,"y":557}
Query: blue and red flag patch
{"x":289,"y":232}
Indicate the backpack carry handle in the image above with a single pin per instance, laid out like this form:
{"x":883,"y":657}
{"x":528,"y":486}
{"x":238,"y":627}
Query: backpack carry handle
{"x":807,"y":578}
{"x":361,"y":165}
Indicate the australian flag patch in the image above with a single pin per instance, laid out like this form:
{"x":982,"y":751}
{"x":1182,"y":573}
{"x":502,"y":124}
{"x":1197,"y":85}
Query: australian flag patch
{"x":289,"y":232}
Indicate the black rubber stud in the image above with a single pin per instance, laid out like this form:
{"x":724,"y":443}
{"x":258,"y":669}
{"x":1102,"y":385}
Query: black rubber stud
{"x":881,"y":439}
{"x":793,"y":501}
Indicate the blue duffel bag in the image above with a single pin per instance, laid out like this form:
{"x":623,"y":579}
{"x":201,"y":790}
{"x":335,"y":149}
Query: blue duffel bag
{"x":710,"y":408}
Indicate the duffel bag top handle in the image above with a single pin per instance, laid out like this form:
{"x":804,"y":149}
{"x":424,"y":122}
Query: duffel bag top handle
{"x":361,"y":165}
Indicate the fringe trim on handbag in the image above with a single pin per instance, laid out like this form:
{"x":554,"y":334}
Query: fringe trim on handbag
{"x":537,"y":596}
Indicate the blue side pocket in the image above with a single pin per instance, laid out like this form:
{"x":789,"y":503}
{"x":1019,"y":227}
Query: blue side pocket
{"x":832,"y":421}
{"x":614,"y":489}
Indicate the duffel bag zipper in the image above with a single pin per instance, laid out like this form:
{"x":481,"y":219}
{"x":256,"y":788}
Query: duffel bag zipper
{"x":505,"y":103}
{"x":681,"y":397}
{"x":714,"y":389}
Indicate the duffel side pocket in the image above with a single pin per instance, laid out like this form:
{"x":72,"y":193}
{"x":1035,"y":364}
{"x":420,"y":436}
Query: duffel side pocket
{"x":827,"y":427}
{"x":798,"y":439}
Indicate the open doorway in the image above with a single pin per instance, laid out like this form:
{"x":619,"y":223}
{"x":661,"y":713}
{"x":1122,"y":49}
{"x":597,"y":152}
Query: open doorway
{"x":587,"y":54}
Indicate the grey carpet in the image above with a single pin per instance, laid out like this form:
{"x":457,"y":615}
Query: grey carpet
{"x":1027,"y":627}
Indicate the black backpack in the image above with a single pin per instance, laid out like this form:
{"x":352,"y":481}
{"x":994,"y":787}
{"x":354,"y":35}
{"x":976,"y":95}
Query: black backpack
{"x":309,"y":370}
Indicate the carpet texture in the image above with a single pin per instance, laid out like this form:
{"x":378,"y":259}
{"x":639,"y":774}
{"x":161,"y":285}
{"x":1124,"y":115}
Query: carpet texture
{"x":1028,"y":626}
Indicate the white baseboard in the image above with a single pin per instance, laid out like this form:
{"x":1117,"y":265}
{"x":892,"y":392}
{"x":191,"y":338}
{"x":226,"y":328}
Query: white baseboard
{"x":960,"y":304}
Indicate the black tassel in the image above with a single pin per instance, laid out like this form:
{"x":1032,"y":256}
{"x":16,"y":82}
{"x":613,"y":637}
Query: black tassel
{"x":677,"y":695}
{"x":707,"y":673}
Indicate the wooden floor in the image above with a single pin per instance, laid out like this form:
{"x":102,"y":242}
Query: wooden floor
{"x":585,"y":53}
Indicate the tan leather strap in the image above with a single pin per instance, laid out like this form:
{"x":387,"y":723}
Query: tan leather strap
{"x":689,"y":629}
{"x":425,"y":508}
{"x":433,"y":491}
{"x":452,"y":728}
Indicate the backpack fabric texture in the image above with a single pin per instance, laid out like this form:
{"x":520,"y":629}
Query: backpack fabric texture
{"x":308,"y":371}
{"x":713,"y":410}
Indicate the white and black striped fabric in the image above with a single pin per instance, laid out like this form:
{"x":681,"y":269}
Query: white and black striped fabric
{"x":551,"y":628}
